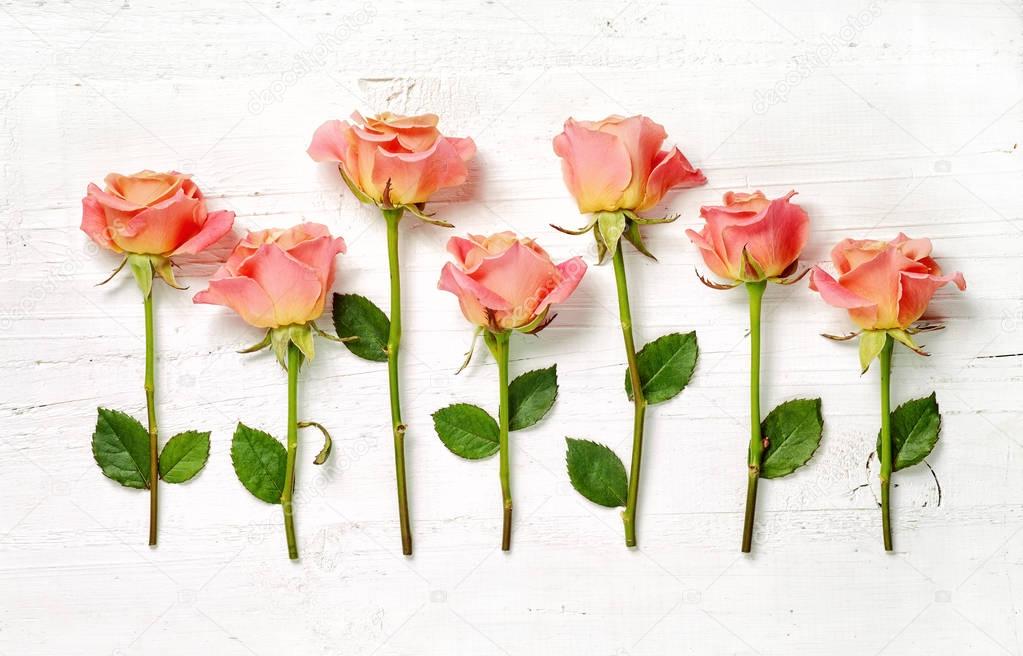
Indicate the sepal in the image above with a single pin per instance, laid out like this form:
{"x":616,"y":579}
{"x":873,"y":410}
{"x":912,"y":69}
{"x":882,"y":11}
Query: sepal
{"x":165,"y":269}
{"x":610,"y":227}
{"x":260,"y":345}
{"x":353,"y":188}
{"x":750,"y":269}
{"x":871,"y":344}
{"x":471,"y":351}
{"x":715,"y":285}
{"x":114,"y":272}
{"x":671,"y":218}
{"x":538,"y":323}
{"x":635,"y":237}
{"x":340,"y":340}
{"x":581,"y":231}
{"x":790,"y":276}
{"x":925,"y":327}
{"x":301,"y":335}
{"x":841,"y":338}
{"x":418,"y":212}
{"x":142,"y":268}
{"x":903,"y":337}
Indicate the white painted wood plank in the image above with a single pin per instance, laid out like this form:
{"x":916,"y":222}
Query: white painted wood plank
{"x":908,"y":122}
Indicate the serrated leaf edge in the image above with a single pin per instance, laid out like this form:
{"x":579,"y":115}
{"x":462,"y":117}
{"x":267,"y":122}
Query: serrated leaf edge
{"x":205,"y":460}
{"x":820,"y":420}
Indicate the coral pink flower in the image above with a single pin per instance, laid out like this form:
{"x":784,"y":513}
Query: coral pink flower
{"x":277,"y":277}
{"x":883,"y":284}
{"x":618,"y":164}
{"x":773,"y":233}
{"x":153,"y":214}
{"x":406,"y":151}
{"x":504,"y":282}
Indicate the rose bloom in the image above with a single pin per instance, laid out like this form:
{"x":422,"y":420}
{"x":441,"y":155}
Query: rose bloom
{"x":153,"y":214}
{"x":407,"y":150}
{"x":883,"y":284}
{"x":503,"y":282}
{"x":277,"y":277}
{"x":773,"y":232}
{"x":618,"y":164}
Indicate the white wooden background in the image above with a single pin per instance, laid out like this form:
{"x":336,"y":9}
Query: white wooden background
{"x":889,"y":115}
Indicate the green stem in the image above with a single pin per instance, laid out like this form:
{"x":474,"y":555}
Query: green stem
{"x":756,"y":442}
{"x":499,"y":346}
{"x":639,"y":401}
{"x":287,"y":496}
{"x":150,"y":384}
{"x":885,"y":359}
{"x":393,"y":217}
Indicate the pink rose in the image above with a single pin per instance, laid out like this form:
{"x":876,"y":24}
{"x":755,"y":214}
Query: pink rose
{"x":152,"y":213}
{"x":773,"y":233}
{"x":883,"y":284}
{"x":277,"y":277}
{"x":406,"y":151}
{"x":503,"y":282}
{"x":618,"y":164}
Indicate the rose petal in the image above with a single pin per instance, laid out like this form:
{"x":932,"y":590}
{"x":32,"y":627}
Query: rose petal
{"x":916,"y":292}
{"x":414,"y":177}
{"x":775,"y":239}
{"x":293,"y":287}
{"x":673,"y":171}
{"x":159,"y":229}
{"x":570,"y":273}
{"x":472,"y":309}
{"x":710,"y":258}
{"x":521,"y":276}
{"x":595,"y":166}
{"x":217,"y":225}
{"x":244,"y":296}
{"x":329,"y":143}
{"x":94,"y":224}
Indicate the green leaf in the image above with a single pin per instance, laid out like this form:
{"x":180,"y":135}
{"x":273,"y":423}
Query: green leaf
{"x":184,"y":456}
{"x":259,"y":461}
{"x":871,"y":344}
{"x":356,"y":316}
{"x":467,"y":431}
{"x":793,"y":432}
{"x":530,"y":397}
{"x":665,"y":366}
{"x":121,"y":448}
{"x":915,"y":428}
{"x":597,"y":473}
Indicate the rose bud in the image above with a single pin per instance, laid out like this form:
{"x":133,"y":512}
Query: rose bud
{"x":504,"y":282}
{"x":618,"y":164}
{"x":751,"y":238}
{"x":391,"y":160}
{"x":151,"y":217}
{"x":279,"y":280}
{"x":883,"y":284}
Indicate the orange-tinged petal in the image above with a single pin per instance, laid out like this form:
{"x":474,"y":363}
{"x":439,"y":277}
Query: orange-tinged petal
{"x":595,"y":165}
{"x":216,"y":226}
{"x":672,"y":171}
{"x":917,"y":289}
{"x":244,"y":296}
{"x":414,"y":177}
{"x":293,"y":287}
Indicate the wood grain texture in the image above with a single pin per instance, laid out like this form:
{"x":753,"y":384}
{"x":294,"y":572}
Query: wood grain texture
{"x":906,"y":118}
